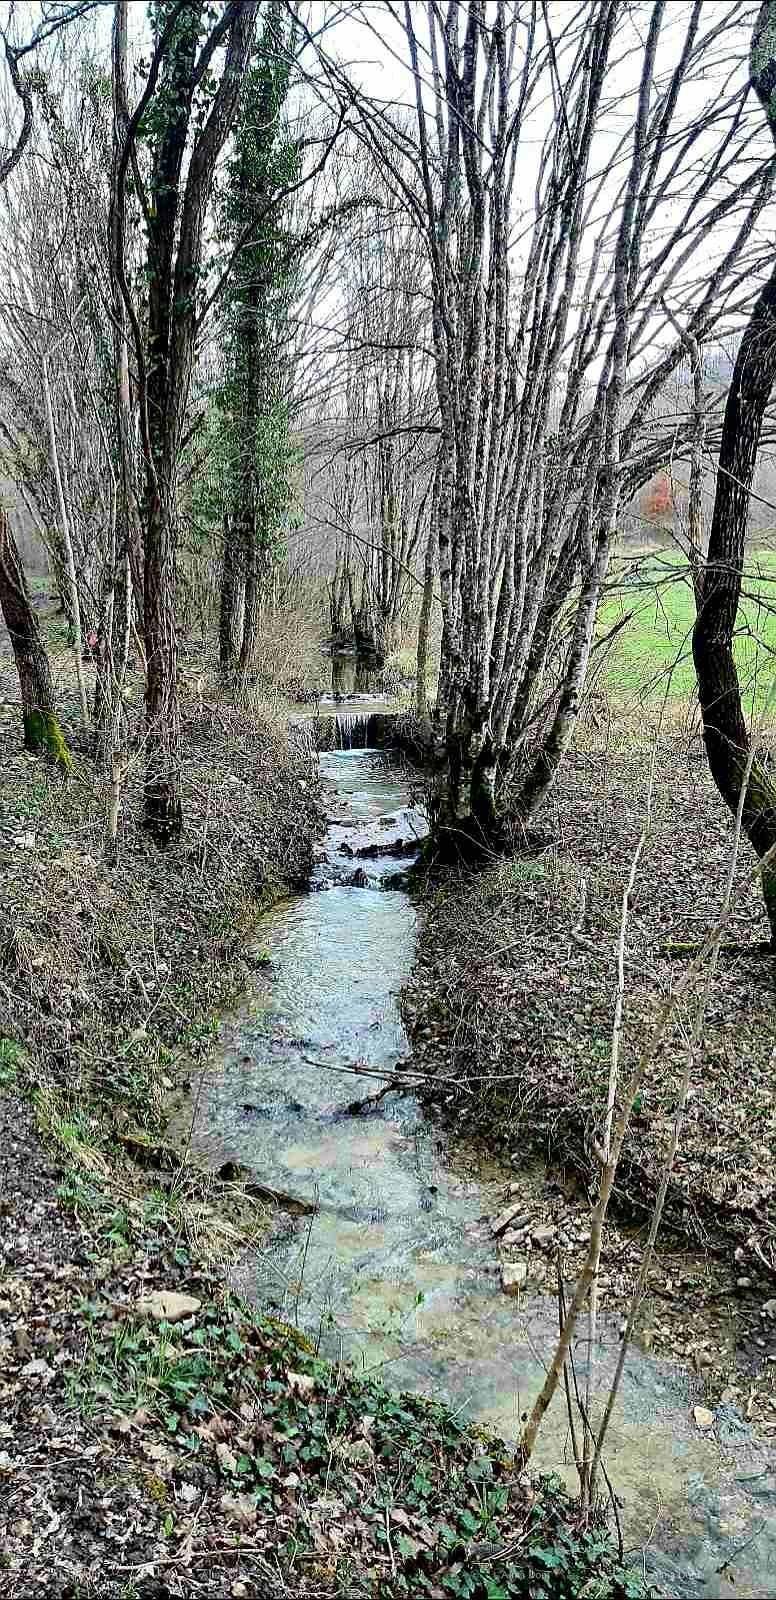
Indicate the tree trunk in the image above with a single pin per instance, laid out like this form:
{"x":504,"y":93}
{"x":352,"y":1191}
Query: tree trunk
{"x":424,"y":624}
{"x":253,"y":567}
{"x":42,"y":732}
{"x":184,"y":155}
{"x":725,"y":732}
{"x":163,"y":807}
{"x":64,"y":518}
{"x":229,"y":632}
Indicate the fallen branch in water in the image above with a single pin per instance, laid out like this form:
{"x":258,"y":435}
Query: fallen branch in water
{"x":395,"y":1082}
{"x":413,"y":1078}
{"x":355,"y":1107}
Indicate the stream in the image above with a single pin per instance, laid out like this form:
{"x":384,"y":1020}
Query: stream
{"x":397,"y":1269}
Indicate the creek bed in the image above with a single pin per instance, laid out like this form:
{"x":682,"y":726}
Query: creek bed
{"x":397,"y":1268}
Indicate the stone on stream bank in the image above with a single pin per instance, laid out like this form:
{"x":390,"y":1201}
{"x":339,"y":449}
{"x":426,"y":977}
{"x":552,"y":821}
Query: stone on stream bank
{"x":166,"y":1305}
{"x":513,"y":1276}
{"x":508,"y":1219}
{"x":391,"y":836}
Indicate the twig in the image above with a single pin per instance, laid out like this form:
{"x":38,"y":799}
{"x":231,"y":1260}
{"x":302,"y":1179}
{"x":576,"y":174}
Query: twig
{"x":300,"y":1279}
{"x":388,"y":1538}
{"x":605,"y":1152}
{"x":713,"y":953}
{"x":566,"y":1384}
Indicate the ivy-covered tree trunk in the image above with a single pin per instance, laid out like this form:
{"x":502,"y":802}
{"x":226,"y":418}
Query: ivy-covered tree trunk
{"x":231,"y":600}
{"x":725,"y":731}
{"x":163,"y":803}
{"x":252,"y":599}
{"x":188,"y":114}
{"x":163,"y":806}
{"x":42,"y":733}
{"x":252,"y":397}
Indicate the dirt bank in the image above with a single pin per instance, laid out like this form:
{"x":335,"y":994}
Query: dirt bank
{"x":510,"y":1010}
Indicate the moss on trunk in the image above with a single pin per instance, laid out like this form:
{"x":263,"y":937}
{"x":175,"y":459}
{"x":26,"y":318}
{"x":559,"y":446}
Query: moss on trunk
{"x":43,"y":735}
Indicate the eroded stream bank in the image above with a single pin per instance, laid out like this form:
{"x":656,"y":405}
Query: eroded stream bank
{"x":397,"y":1268}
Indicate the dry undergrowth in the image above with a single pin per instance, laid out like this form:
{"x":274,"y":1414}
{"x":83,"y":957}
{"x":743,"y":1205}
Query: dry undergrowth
{"x":513,"y":997}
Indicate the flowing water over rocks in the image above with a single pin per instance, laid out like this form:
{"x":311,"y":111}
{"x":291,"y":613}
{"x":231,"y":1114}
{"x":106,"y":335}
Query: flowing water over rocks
{"x":397,"y":1267}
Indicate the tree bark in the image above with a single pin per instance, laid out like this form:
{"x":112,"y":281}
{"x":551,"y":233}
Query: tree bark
{"x":232,"y":586}
{"x":718,"y":586}
{"x":42,"y":732}
{"x":424,"y":623}
{"x":163,"y":810}
{"x":251,"y":602}
{"x":64,"y":517}
{"x":725,"y":732}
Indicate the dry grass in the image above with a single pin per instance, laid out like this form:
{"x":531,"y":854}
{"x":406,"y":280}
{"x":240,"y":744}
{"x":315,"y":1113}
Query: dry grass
{"x":516,"y":978}
{"x":110,"y":964}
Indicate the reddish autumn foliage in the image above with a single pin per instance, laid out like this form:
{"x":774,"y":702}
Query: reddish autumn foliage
{"x":658,"y":497}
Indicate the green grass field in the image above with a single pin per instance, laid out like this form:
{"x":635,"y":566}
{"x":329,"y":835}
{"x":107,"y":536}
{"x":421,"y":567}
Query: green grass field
{"x":654,"y":648}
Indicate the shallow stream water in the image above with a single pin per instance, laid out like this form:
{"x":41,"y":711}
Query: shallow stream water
{"x":397,"y":1269}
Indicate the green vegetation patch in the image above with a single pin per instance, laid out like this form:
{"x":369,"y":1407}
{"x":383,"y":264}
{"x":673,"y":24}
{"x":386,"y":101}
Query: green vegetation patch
{"x":363,"y":1491}
{"x":653,"y":651}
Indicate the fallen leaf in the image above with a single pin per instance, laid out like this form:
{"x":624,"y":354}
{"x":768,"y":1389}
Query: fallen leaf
{"x":239,"y":1508}
{"x":300,"y":1383}
{"x":399,"y":1516}
{"x":215,"y":1428}
{"x":158,"y":1454}
{"x":37,"y":1369}
{"x":227,"y":1460}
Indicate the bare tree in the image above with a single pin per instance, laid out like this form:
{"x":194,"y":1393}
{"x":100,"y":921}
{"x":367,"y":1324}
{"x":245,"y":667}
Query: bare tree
{"x":384,"y":429}
{"x":42,"y":731}
{"x":51,"y":21}
{"x":552,"y":236}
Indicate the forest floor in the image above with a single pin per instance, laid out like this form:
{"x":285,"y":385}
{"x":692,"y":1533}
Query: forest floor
{"x":510,"y":1010}
{"x":158,"y":1437}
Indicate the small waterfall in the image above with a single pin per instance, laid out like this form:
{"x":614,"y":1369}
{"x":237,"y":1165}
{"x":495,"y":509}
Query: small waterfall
{"x":351,"y":731}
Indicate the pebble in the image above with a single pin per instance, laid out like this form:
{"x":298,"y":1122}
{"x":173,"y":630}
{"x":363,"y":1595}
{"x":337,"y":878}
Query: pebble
{"x":507,"y":1218}
{"x":165,"y":1305}
{"x":543,"y":1235}
{"x":703,"y":1417}
{"x":513,"y":1236}
{"x":743,"y":1283}
{"x":513,"y":1276}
